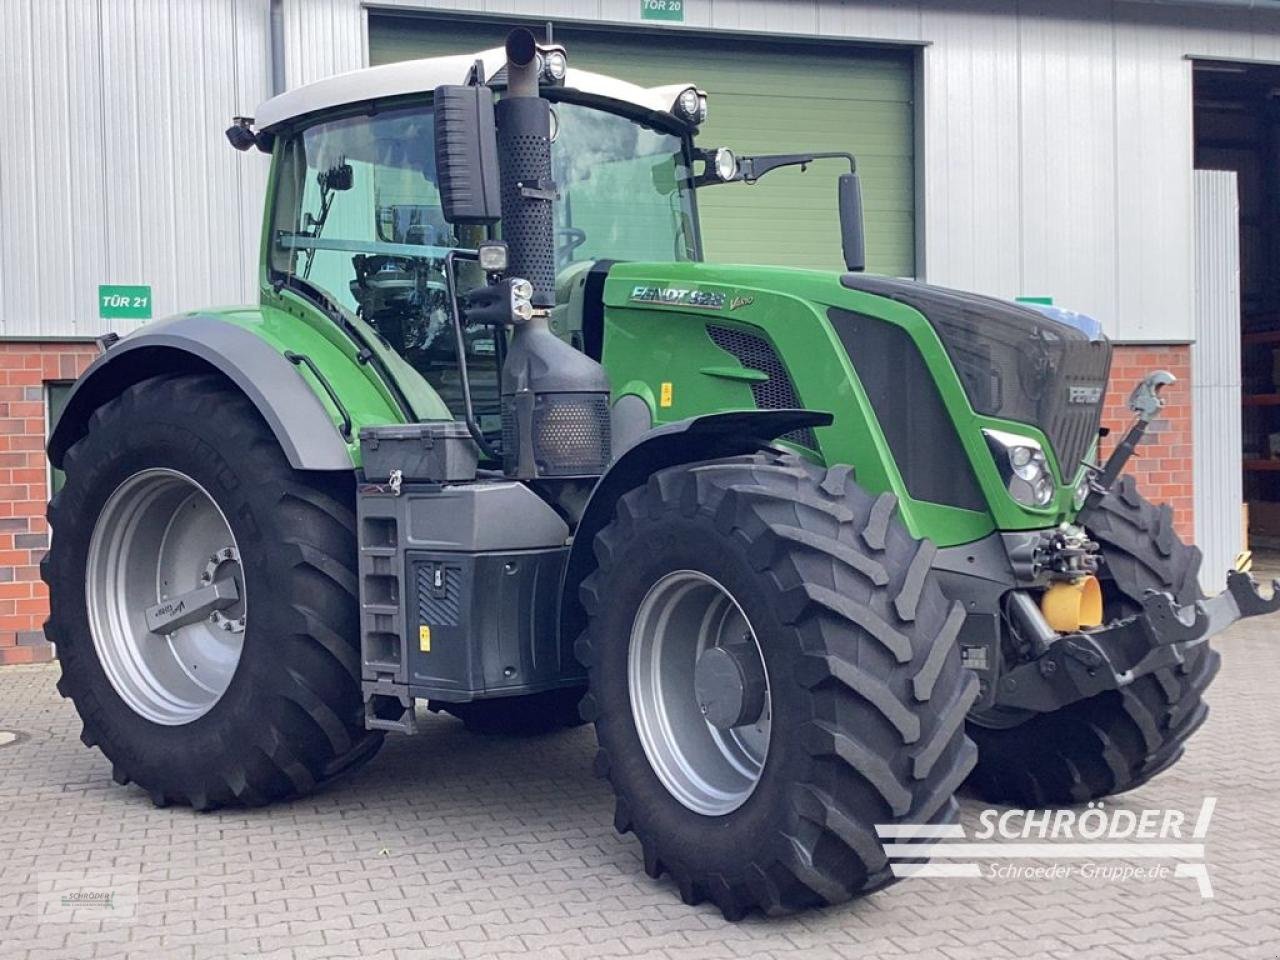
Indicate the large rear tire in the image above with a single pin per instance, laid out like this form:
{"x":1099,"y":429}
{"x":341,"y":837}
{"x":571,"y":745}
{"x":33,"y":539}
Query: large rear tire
{"x":179,"y":484}
{"x":845,"y":699}
{"x":1118,"y":740}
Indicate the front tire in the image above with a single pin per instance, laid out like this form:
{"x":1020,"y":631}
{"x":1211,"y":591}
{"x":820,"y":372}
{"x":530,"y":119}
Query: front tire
{"x":277,"y":710}
{"x":1118,"y":740}
{"x":771,"y":806}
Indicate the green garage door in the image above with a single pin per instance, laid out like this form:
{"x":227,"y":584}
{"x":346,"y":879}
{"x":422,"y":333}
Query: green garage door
{"x":765,"y":97}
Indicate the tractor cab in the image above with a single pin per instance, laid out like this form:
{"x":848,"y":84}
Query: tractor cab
{"x":356,"y":212}
{"x":356,"y":215}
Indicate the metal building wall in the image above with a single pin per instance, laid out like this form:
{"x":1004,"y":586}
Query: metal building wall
{"x":1215,"y":376}
{"x":115,"y":167}
{"x":1056,"y":136}
{"x":1055,"y":139}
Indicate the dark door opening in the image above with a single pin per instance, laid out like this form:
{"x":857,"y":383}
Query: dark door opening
{"x":1237,"y":127}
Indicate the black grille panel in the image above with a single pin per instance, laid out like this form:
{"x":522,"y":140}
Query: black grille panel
{"x":572,"y":433}
{"x":439,"y":606}
{"x":776,"y":393}
{"x":1014,"y":362}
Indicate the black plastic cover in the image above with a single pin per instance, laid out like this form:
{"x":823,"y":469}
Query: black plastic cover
{"x":910,"y":410}
{"x":852,"y":237}
{"x":467,"y":155}
{"x":1014,"y":362}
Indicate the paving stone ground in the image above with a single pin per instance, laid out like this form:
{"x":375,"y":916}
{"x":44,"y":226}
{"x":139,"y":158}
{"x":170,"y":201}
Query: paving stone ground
{"x":451,"y":845}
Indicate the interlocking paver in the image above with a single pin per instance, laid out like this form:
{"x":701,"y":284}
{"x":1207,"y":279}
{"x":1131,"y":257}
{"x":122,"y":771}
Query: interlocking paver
{"x":451,"y":845}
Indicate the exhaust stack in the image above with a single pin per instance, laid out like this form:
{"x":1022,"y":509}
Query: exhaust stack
{"x":524,"y":145}
{"x":555,"y":399}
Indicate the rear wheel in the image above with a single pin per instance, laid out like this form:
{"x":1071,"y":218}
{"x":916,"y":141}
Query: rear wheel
{"x":772,"y":673}
{"x":203,"y":598}
{"x":1120,"y":739}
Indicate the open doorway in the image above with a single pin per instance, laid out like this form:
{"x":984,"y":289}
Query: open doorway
{"x":1237,"y":128}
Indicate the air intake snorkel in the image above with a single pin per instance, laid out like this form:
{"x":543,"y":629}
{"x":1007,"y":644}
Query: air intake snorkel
{"x":555,"y":400}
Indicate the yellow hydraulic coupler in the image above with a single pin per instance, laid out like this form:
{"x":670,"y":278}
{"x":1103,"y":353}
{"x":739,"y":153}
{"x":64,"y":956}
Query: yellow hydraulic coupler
{"x":1071,"y":605}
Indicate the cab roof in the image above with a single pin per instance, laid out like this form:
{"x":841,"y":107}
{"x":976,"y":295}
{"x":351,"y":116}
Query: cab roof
{"x":421,"y":76}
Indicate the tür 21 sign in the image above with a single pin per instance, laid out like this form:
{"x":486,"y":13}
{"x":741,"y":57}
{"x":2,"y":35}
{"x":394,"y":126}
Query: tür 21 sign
{"x":662,"y":10}
{"x":124,"y":302}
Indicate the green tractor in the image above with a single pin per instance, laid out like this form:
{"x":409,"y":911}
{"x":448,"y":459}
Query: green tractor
{"x":811,"y":550}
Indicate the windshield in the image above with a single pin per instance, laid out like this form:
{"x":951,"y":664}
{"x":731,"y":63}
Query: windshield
{"x":626,"y":191}
{"x":358,"y":215}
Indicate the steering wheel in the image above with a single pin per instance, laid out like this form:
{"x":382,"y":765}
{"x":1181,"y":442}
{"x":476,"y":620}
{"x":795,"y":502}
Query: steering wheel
{"x":568,"y":239}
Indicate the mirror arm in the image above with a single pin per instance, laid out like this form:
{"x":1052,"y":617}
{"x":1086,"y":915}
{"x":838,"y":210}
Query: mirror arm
{"x":751,"y":169}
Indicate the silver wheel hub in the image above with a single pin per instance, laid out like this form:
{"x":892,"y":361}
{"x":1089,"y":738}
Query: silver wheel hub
{"x":165,"y":594}
{"x":699,"y":692}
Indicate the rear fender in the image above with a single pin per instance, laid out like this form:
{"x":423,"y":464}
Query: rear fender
{"x":710,"y":437}
{"x":300,"y":420}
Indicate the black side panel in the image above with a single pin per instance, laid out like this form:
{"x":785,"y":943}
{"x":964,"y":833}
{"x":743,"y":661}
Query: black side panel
{"x":778,"y":392}
{"x":484,"y":624}
{"x":912,"y":416}
{"x":593,"y":309}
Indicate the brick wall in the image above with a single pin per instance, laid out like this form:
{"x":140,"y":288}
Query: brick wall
{"x":1163,"y":462}
{"x":25,"y":368}
{"x":1163,"y":466}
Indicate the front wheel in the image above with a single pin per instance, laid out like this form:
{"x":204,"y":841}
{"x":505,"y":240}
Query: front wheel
{"x":772,"y":673}
{"x":1118,"y":740}
{"x":203,"y":598}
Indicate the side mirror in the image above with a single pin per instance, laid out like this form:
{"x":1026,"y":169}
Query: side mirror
{"x":467,"y":155}
{"x":338,"y":177}
{"x":852,"y":238}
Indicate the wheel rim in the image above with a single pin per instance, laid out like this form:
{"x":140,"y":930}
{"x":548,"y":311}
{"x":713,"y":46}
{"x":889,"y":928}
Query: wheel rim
{"x":165,"y":596}
{"x":688,"y":635}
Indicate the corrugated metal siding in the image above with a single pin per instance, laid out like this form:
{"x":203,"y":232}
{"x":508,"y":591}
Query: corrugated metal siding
{"x":1055,"y":152}
{"x":1215,"y":375}
{"x":116,"y":170}
{"x":1056,"y":136}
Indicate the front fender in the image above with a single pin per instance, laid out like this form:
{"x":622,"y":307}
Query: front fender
{"x":711,"y":437}
{"x":301,"y":421}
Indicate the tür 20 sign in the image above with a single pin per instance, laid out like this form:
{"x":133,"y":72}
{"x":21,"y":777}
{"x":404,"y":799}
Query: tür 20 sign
{"x":662,"y":10}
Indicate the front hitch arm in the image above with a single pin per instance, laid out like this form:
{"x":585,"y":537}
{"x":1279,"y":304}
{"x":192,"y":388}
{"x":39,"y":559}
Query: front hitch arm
{"x":1145,"y":402}
{"x":1081,"y":665}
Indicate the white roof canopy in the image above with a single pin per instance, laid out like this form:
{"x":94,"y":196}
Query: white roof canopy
{"x":421,"y":76}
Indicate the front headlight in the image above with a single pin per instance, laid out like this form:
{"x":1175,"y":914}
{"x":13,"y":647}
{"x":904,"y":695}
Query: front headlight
{"x":1023,"y":466}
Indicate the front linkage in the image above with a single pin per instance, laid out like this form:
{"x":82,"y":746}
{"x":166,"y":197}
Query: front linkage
{"x":1079,"y":665}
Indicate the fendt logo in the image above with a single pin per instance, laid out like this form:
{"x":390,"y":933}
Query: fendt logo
{"x":679,"y":297}
{"x":1088,"y":395}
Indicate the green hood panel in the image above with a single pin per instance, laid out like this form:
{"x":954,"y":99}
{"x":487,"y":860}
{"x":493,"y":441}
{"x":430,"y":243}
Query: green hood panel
{"x":651,"y":352}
